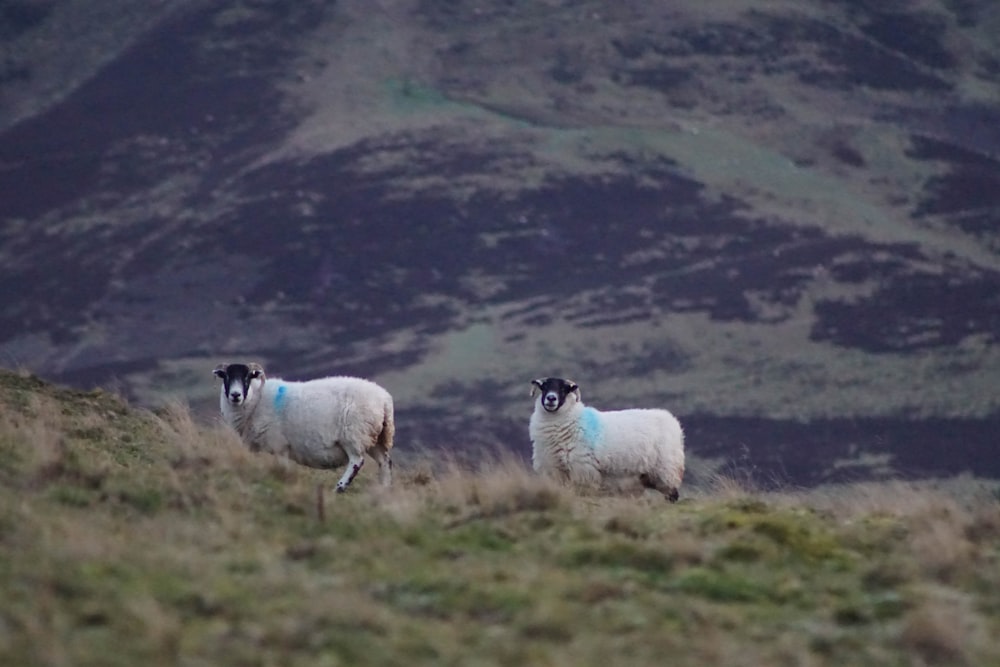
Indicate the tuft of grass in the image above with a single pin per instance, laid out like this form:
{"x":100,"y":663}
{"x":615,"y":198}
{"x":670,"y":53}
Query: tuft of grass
{"x":721,"y":586}
{"x":943,"y":629}
{"x":129,"y":537}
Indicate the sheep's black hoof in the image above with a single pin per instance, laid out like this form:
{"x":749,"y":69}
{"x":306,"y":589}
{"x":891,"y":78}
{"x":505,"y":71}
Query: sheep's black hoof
{"x":341,"y":489}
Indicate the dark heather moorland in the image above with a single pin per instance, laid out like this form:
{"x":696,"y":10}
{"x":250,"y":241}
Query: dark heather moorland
{"x":777,"y":219}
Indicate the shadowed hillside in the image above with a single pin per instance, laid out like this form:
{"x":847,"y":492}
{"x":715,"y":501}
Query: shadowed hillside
{"x":777,"y":219}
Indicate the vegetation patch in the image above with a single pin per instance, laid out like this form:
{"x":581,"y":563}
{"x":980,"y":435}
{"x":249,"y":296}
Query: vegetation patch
{"x":128,"y":537}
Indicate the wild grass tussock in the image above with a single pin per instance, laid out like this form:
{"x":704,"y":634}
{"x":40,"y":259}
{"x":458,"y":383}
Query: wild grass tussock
{"x":156,"y":538}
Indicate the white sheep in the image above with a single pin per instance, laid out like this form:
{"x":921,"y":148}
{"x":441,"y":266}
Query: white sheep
{"x":588,"y":447}
{"x":321,"y":423}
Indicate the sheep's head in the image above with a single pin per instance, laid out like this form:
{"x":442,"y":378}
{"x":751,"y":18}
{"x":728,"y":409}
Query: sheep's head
{"x":240,"y":380}
{"x":554,"y":392}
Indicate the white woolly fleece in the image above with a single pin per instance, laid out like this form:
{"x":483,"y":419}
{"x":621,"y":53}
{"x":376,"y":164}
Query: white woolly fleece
{"x":323,"y":423}
{"x":586,"y":446}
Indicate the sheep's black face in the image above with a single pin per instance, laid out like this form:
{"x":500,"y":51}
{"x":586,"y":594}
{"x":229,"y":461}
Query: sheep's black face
{"x":237,"y":380}
{"x":554,"y":392}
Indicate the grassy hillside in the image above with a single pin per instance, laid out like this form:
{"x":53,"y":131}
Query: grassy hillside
{"x":131,"y":538}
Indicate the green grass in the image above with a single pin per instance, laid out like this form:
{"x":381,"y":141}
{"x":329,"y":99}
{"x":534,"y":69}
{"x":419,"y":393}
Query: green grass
{"x":131,"y":538}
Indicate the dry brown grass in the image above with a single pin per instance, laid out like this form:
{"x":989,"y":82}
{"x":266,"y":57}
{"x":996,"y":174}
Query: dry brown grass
{"x":944,"y":629}
{"x":496,"y":485}
{"x":948,"y":526}
{"x":141,"y":538}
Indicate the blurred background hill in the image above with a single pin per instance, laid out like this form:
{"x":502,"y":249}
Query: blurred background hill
{"x":777,"y":219}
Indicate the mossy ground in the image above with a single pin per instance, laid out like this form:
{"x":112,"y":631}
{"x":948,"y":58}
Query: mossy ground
{"x":131,"y":538}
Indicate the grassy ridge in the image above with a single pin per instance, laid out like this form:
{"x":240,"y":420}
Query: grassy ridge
{"x":131,"y":538}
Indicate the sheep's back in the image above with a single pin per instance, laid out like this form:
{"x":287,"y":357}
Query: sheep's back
{"x":316,"y":414}
{"x":642,"y":439}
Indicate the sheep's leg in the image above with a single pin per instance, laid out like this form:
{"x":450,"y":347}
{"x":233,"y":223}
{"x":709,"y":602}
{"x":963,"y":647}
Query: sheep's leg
{"x":384,"y":460}
{"x":354,"y":463}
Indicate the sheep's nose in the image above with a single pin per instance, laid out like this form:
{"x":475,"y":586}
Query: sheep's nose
{"x":235,"y":395}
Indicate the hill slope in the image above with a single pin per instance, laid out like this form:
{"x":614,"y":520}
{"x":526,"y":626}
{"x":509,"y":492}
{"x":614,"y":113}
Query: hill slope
{"x":762,"y":215}
{"x":131,"y":538}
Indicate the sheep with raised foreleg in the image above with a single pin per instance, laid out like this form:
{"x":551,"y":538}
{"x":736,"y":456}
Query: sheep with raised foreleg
{"x":588,"y":447}
{"x":322,"y":423}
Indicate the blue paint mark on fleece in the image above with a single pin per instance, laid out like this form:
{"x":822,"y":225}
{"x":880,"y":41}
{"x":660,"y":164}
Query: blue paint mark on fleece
{"x":280,"y":398}
{"x":590,"y":426}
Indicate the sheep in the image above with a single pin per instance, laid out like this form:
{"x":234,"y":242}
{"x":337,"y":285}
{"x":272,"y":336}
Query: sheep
{"x":588,"y":447}
{"x":322,"y":423}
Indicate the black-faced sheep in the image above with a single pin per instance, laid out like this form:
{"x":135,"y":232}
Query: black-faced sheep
{"x":321,"y":423}
{"x":589,"y":447}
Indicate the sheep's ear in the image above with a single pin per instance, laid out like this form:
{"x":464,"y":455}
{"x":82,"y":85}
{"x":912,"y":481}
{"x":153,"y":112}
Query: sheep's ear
{"x":220,"y":371}
{"x":574,"y":388}
{"x":257,"y":371}
{"x":536,"y":386}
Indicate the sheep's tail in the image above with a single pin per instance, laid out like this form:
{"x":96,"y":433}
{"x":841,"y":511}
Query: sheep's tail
{"x":383,"y":443}
{"x":388,"y":431}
